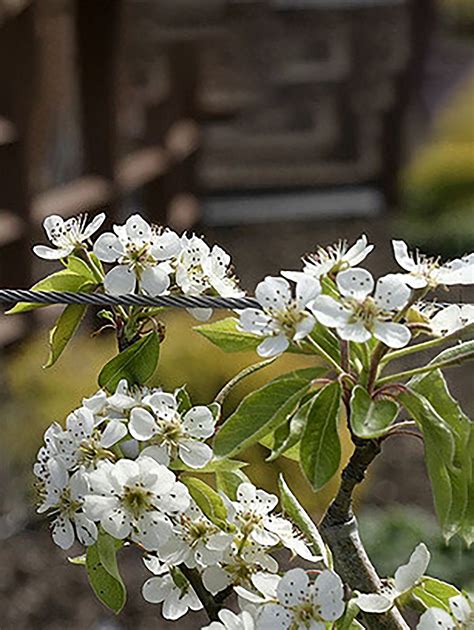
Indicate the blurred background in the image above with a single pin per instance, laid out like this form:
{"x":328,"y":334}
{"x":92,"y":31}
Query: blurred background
{"x":269,"y":126}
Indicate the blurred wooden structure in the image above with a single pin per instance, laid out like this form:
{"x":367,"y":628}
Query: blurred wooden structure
{"x":259,"y":95}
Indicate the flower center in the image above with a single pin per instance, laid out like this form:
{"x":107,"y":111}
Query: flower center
{"x":288,"y":319}
{"x":136,"y":499}
{"x":90,"y":452}
{"x":66,"y":504}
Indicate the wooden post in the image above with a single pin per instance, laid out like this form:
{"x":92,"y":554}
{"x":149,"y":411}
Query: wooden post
{"x":98,"y":23}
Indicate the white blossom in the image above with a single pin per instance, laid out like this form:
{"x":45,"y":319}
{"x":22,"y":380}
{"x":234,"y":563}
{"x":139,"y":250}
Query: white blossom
{"x":450,"y":319}
{"x":358,"y":315}
{"x":293,"y":601}
{"x":67,"y":235}
{"x":135,"y":499}
{"x":424,"y":271}
{"x":64,"y":498}
{"x":171,"y":588}
{"x":332,"y":259}
{"x":172,"y":434}
{"x":461,"y":617}
{"x":138,"y":252}
{"x":284,"y":317}
{"x":229,"y":620}
{"x":406,"y":578}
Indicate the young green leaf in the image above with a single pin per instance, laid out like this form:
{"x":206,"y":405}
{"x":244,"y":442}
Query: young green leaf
{"x":262,"y":411}
{"x":348,"y":620}
{"x":439,"y":454}
{"x":435,"y":593}
{"x":457,"y":355}
{"x":370,"y":418}
{"x":64,"y":280}
{"x":103,"y":573}
{"x":288,"y":435}
{"x":228,"y":481}
{"x":327,"y":340}
{"x":136,"y":364}
{"x":292,"y":508}
{"x":225,"y":335}
{"x":79,"y":266}
{"x":208,"y":500}
{"x":64,"y":329}
{"x":320,"y":447}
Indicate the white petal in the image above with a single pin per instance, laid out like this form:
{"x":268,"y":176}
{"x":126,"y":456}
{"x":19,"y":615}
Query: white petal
{"x":154,"y":281}
{"x":156,"y":589}
{"x":152,"y":531}
{"x":329,"y":312}
{"x":307,"y":289}
{"x":50,"y":253}
{"x":86,"y":529}
{"x":373,"y":602}
{"x":460,"y":608}
{"x":447,"y":321}
{"x":201,"y":314}
{"x":274,"y":617}
{"x":254,"y":321}
{"x":137,"y":229}
{"x":293,"y":587}
{"x":402,"y":256}
{"x":273,"y":346}
{"x":96,"y":506}
{"x":120,"y":281}
{"x":166,"y":245}
{"x":304,"y":327}
{"x":93,"y":226}
{"x":266,"y":583}
{"x":63,"y":532}
{"x":108,"y":247}
{"x":328,"y":592}
{"x":392,"y":334}
{"x":356,"y":283}
{"x":53,"y":225}
{"x":436,"y":619}
{"x":409,"y":574}
{"x":174,"y":606}
{"x":194,"y":454}
{"x":117,"y":523}
{"x":391,"y":293}
{"x":199,"y":422}
{"x":114,"y":432}
{"x":354,"y":332}
{"x":158,"y":453}
{"x":273,"y":293}
{"x":215,"y":579}
{"x":358,"y":252}
{"x":142,"y":425}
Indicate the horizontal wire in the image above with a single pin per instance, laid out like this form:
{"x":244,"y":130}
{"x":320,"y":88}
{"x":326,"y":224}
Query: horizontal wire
{"x":12,"y":296}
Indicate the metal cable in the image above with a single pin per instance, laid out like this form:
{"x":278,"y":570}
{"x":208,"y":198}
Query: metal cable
{"x":11,"y":296}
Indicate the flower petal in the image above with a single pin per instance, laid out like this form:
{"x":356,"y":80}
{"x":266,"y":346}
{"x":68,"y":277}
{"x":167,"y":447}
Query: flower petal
{"x":435,"y":618}
{"x":194,"y":454}
{"x":392,"y":334}
{"x":113,"y":433}
{"x":355,"y":283}
{"x":199,"y":422}
{"x":293,"y":587}
{"x":374,"y":602}
{"x":391,"y":293}
{"x":63,"y":532}
{"x":328,"y":592}
{"x":273,"y":292}
{"x":108,"y":247}
{"x":50,"y":253}
{"x":93,"y":226}
{"x":402,"y":256}
{"x":142,"y":425}
{"x":120,"y":281}
{"x":358,"y":252}
{"x":354,"y":332}
{"x":409,"y":574}
{"x":274,"y":617}
{"x":156,"y":589}
{"x":273,"y":346}
{"x":329,"y":312}
{"x":154,"y":281}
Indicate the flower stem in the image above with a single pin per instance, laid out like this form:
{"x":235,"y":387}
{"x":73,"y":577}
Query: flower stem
{"x":419,"y":347}
{"x":419,"y":370}
{"x":327,"y":357}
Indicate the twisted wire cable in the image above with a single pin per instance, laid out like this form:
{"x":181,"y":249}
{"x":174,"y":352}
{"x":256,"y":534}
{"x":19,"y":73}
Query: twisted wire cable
{"x":11,"y":296}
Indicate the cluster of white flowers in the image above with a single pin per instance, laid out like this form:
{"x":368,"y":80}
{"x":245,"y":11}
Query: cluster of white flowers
{"x":459,"y":617}
{"x":223,"y":557}
{"x":146,"y":259}
{"x":333,"y":291}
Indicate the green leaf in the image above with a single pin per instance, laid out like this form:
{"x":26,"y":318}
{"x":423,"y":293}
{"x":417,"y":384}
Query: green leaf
{"x":248,"y":371}
{"x":457,"y":355}
{"x":327,"y":340}
{"x":215,"y":465}
{"x":439,"y":454}
{"x":103,"y":573}
{"x":435,"y":389}
{"x":228,"y":481}
{"x":63,"y":280}
{"x":262,"y":411}
{"x":79,"y":266}
{"x":210,"y":502}
{"x":288,"y":435}
{"x":78,"y":560}
{"x":435,"y":593}
{"x":348,"y":620}
{"x":370,"y":418}
{"x":225,"y":335}
{"x":292,"y":508}
{"x":320,"y":446}
{"x":184,"y":399}
{"x":136,"y":364}
{"x":64,"y":329}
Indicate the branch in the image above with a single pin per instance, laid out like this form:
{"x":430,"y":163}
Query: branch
{"x":207,"y":600}
{"x":340,"y":531}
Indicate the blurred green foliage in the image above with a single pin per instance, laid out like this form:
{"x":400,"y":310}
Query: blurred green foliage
{"x":391,"y":534}
{"x":38,"y":396}
{"x":438,"y":185}
{"x":460,"y":13}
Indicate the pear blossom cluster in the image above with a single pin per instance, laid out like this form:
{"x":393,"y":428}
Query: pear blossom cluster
{"x":144,"y":258}
{"x":334,"y":291}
